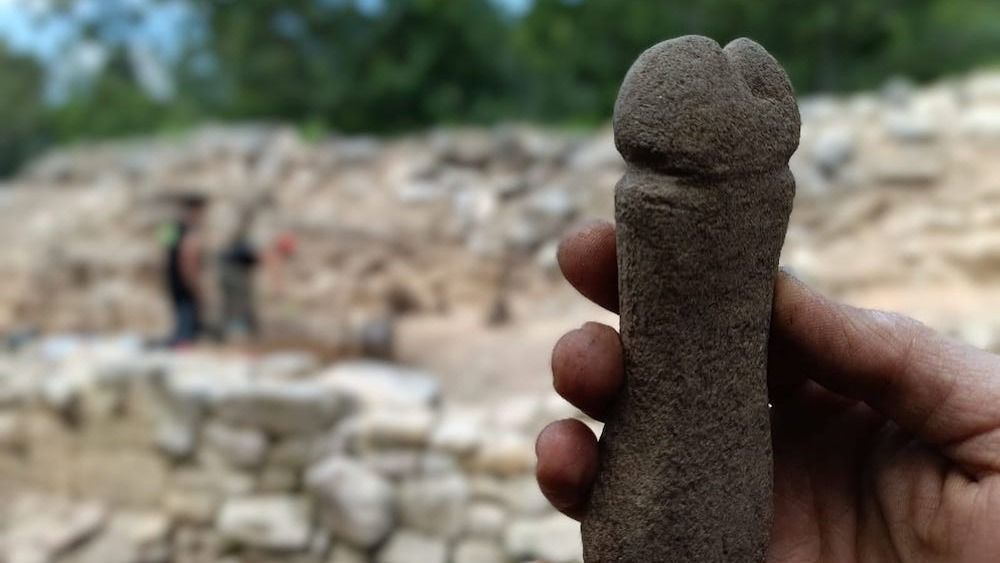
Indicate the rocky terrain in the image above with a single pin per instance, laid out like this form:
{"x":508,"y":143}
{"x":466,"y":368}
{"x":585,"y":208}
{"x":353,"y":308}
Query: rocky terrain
{"x":896,"y":193}
{"x":434,"y":251}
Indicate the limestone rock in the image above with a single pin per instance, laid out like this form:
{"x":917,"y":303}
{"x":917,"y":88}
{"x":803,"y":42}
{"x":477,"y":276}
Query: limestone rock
{"x":283,"y":407}
{"x":434,"y":505}
{"x":346,"y":554}
{"x":405,"y":547}
{"x":286,"y":365}
{"x":834,"y":148}
{"x":478,"y":551}
{"x":484,"y":520}
{"x":458,"y":431}
{"x":505,"y":453}
{"x":355,"y":504}
{"x":982,"y":123}
{"x":555,"y":539}
{"x":239,"y":446}
{"x":130,"y":537}
{"x":382,"y":384}
{"x":381,"y":428}
{"x":50,"y":531}
{"x":271,"y":522}
{"x":522,"y":496}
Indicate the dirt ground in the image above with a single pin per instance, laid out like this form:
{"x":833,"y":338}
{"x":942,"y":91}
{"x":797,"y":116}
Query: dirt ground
{"x":476,"y":362}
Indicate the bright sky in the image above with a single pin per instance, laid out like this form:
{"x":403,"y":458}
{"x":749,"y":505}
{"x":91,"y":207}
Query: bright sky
{"x":68,"y":60}
{"x":159,"y":29}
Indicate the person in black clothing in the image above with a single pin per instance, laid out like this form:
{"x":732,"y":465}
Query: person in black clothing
{"x":183,"y":270}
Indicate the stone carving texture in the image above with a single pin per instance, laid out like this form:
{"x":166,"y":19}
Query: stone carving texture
{"x":686,"y":470}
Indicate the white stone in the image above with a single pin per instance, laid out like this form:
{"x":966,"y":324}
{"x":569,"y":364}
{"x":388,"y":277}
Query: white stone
{"x":555,"y":539}
{"x":131,"y":537}
{"x":410,"y":547}
{"x":346,"y":554}
{"x":50,"y":531}
{"x":523,"y":496}
{"x":458,"y":431}
{"x":911,"y":126}
{"x":61,"y":390}
{"x":485,"y":520}
{"x":287,"y":407}
{"x":435,"y":505}
{"x":270,"y":522}
{"x":478,"y":551}
{"x":982,"y":123}
{"x":286,"y":365}
{"x":394,"y":428}
{"x":984,"y":87}
{"x":178,"y":438}
{"x":505,"y":453}
{"x":356,"y":504}
{"x":382,"y":384}
{"x":597,"y":153}
{"x":520,"y":414}
{"x":191,"y":506}
{"x":178,"y":420}
{"x":552,"y":203}
{"x":909,"y":169}
{"x":833,"y":148}
{"x":241,"y":447}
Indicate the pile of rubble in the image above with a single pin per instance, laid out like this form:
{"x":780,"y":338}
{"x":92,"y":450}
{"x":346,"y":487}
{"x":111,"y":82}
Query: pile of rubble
{"x":109,"y":453}
{"x":417,"y":224}
{"x":897,"y":202}
{"x":896,"y":190}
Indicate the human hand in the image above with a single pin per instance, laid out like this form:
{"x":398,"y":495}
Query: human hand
{"x":886,"y":435}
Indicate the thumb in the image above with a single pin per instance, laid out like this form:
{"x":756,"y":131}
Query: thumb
{"x":946,"y":393}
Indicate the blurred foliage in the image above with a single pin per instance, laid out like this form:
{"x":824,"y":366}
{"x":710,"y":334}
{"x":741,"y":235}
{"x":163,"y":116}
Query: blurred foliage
{"x":115,"y":105}
{"x":22,"y":111}
{"x":413,"y":63}
{"x":404,"y":64}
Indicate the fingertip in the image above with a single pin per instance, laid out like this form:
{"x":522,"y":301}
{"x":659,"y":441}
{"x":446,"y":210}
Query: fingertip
{"x":588,"y":259}
{"x":567,"y":465}
{"x":588,"y":368}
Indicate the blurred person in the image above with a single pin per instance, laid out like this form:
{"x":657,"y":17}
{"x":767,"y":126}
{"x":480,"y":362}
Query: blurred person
{"x":238,"y":263}
{"x":886,"y":435}
{"x":183,"y":240}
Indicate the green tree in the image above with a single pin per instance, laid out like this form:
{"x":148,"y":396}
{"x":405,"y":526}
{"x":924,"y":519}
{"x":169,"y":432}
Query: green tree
{"x":22,"y":130}
{"x":412,"y":64}
{"x":576,"y":52}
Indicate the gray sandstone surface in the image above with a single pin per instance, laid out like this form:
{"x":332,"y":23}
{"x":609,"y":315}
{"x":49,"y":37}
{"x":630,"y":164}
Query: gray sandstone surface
{"x":702,"y":211}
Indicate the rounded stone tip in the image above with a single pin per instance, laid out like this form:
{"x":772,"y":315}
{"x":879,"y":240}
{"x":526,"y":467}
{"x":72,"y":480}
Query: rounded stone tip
{"x":688,"y":107}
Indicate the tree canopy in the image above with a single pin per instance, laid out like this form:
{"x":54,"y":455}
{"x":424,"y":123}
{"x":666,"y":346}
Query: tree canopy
{"x":398,"y":65}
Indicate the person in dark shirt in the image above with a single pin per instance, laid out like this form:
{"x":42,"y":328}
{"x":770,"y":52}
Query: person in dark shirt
{"x":184,"y":264}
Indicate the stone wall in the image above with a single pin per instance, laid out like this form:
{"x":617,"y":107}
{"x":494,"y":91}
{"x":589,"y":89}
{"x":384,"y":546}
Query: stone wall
{"x":112,"y":454}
